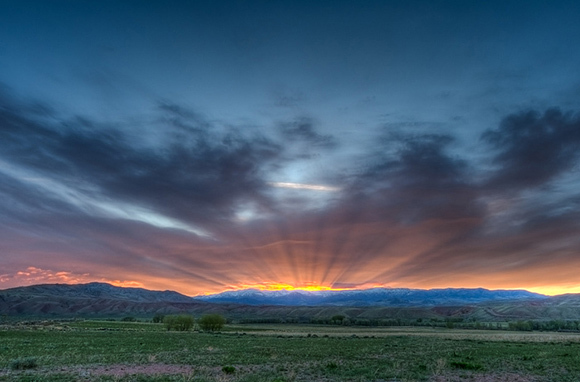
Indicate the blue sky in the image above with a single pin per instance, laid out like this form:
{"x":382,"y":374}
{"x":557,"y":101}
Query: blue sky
{"x":201,"y":146}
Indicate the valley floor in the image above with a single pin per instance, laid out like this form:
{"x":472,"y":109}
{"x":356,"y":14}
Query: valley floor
{"x":136,"y":351}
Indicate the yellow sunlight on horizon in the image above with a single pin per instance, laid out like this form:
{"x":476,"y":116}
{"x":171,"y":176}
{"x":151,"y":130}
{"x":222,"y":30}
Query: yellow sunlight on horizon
{"x":555,"y":290}
{"x":313,"y":287}
{"x":309,"y":287}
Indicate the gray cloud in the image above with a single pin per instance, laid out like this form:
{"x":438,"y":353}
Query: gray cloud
{"x":303,"y":130}
{"x":412,"y":202}
{"x":533,"y":148}
{"x":200,"y":178}
{"x":419,"y":181}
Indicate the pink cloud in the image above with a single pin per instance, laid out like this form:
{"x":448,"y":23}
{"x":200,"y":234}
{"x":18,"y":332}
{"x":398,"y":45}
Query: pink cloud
{"x":34,"y":275}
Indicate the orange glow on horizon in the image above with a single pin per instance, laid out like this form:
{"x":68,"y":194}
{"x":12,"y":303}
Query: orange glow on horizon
{"x":124,"y":284}
{"x":309,"y":287}
{"x":313,"y":287}
{"x":35,"y":275}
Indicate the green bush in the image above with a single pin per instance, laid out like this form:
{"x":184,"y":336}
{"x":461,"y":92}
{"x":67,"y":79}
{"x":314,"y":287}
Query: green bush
{"x":228,"y":369}
{"x":337,"y":319}
{"x":521,"y":325}
{"x":179,"y":322}
{"x":23,"y":363}
{"x":211,"y":322}
{"x":466,"y":366}
{"x":158,"y":318}
{"x":331,"y":365}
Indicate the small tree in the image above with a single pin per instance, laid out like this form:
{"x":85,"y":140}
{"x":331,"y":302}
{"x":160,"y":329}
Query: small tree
{"x":158,"y":318}
{"x":337,"y":319}
{"x":211,"y":322}
{"x":181,"y":322}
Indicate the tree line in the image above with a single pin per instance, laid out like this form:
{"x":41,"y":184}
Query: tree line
{"x":185,"y":322}
{"x":215,"y":322}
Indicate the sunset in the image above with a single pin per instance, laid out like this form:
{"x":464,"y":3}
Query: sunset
{"x":211,"y":146}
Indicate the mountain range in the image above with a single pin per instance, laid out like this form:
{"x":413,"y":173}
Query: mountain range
{"x":370,"y":297}
{"x":104,"y":300}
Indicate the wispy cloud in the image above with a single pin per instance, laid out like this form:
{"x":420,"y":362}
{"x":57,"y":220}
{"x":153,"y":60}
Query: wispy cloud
{"x":301,"y":186}
{"x":212,"y":152}
{"x":414,"y":214}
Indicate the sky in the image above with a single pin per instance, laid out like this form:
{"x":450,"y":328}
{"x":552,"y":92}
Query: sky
{"x":203,"y":146}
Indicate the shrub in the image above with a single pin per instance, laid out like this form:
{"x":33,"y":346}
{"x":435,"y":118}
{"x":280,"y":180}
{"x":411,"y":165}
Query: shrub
{"x":211,"y":322}
{"x":228,"y":369}
{"x":23,"y":363}
{"x":180,"y":322}
{"x":337,"y":319}
{"x":129,"y":319}
{"x":331,"y":365}
{"x":466,"y":366}
{"x":158,"y":318}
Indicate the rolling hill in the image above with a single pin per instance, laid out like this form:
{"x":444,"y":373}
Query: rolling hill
{"x":97,"y":290}
{"x":93,"y":299}
{"x":104,"y":300}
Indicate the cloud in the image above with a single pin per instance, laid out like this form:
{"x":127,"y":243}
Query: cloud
{"x":183,"y":118}
{"x":533,"y":148}
{"x":302,"y":186}
{"x":100,"y":196}
{"x":417,"y":181}
{"x":484,"y":230}
{"x":288,"y":98}
{"x":198,"y":176}
{"x":303,"y":130}
{"x":201,"y":205}
{"x":34,"y":275}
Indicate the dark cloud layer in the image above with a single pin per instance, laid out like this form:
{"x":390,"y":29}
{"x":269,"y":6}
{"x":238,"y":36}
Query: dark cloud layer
{"x":303,"y":130}
{"x":415,"y":213}
{"x":199,"y":146}
{"x":534,"y":147}
{"x":419,"y":181}
{"x":199,"y":177}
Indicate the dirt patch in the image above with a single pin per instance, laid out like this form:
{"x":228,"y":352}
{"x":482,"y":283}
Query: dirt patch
{"x":493,"y":377}
{"x":116,"y":370}
{"x":94,"y":372}
{"x":121,"y":370}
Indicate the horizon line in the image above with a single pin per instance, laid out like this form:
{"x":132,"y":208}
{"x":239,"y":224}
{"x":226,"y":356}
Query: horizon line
{"x":287,"y":287}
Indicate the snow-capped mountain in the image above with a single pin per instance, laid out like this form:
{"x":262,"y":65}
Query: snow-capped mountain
{"x":369,"y":297}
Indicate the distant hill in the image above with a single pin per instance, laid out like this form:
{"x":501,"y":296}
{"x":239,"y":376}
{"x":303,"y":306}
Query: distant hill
{"x":98,"y":290}
{"x":104,"y":300}
{"x":370,"y":297}
{"x":93,"y":299}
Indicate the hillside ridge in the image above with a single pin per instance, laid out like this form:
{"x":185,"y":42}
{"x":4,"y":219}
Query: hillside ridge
{"x":370,"y":297}
{"x":105,"y":300}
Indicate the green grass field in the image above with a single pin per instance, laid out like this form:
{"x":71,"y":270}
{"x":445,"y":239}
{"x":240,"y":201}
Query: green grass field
{"x":136,"y":351}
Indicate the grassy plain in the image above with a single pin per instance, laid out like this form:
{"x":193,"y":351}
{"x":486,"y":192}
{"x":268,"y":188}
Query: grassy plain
{"x":136,"y":351}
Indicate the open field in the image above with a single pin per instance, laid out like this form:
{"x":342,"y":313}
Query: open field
{"x":136,"y":351}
